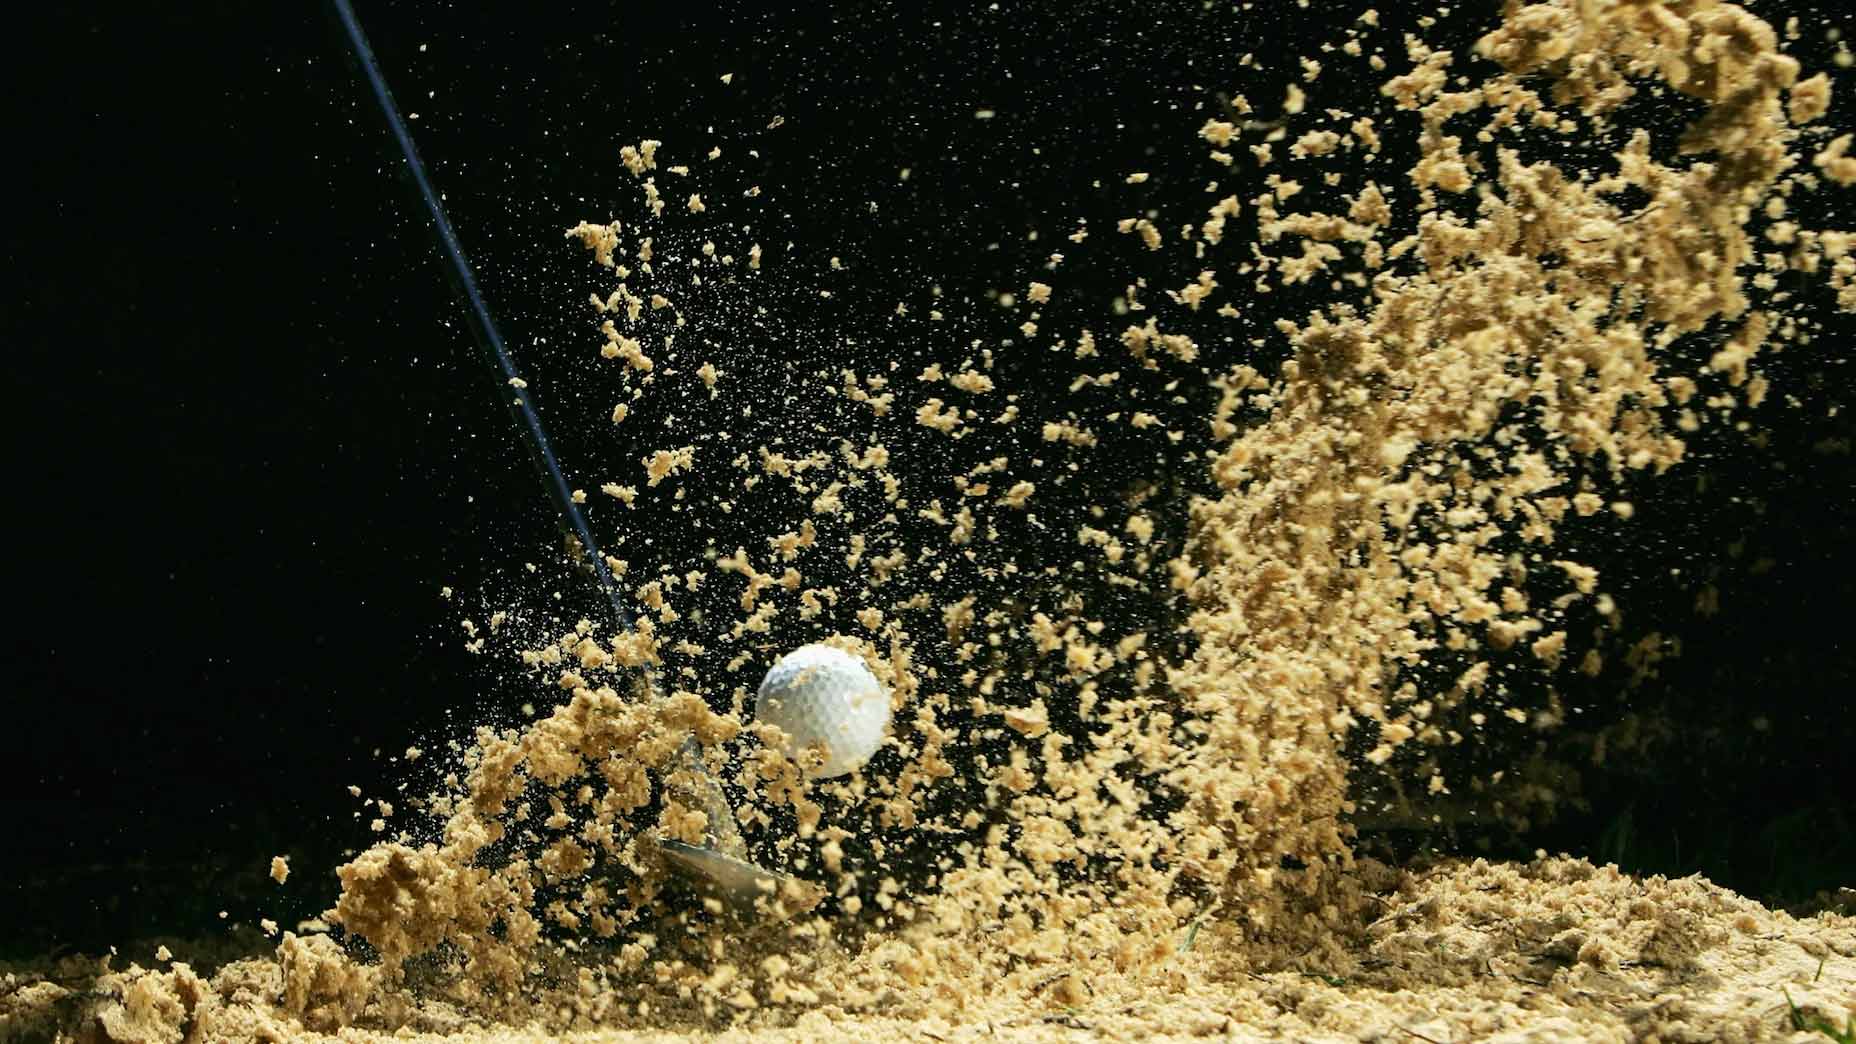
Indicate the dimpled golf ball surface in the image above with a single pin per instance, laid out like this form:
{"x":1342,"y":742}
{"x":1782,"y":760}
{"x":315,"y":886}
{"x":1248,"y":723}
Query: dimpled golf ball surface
{"x":820,"y":695}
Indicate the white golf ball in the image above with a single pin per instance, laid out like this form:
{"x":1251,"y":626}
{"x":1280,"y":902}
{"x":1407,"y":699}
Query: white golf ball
{"x":823,"y":696}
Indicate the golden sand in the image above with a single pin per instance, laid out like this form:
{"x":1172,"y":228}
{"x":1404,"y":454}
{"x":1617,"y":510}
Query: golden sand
{"x":1154,"y":844}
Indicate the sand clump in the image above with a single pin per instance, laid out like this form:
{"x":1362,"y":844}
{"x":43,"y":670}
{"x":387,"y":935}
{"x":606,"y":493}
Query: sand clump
{"x":1082,"y":826}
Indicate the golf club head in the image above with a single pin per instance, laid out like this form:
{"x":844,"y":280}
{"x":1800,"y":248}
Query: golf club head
{"x":742,"y":886}
{"x":720,"y":865}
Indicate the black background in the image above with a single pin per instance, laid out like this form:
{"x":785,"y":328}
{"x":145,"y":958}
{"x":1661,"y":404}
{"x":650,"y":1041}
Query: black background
{"x":248,"y":444}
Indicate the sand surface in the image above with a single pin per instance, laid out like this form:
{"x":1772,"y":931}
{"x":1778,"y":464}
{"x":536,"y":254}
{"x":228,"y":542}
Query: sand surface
{"x":1555,"y":950}
{"x":1120,"y":792}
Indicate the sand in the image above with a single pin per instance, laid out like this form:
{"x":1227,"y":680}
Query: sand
{"x":1553,"y":950}
{"x":1137,"y":823}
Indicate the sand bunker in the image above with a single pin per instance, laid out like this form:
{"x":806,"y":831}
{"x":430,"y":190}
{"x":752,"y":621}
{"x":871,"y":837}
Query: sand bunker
{"x":1553,"y":950}
{"x":1083,"y":823}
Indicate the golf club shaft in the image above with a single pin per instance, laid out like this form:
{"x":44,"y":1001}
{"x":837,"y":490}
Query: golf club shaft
{"x":491,"y":349}
{"x":510,"y":388}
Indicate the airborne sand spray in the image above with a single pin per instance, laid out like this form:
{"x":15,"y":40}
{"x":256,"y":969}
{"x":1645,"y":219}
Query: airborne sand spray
{"x":1390,"y":501}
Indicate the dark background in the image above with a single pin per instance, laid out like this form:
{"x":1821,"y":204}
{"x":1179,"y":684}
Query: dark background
{"x":248,"y":442}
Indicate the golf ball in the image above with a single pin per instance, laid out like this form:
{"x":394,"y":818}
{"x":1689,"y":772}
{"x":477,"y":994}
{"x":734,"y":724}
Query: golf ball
{"x":823,"y":696}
